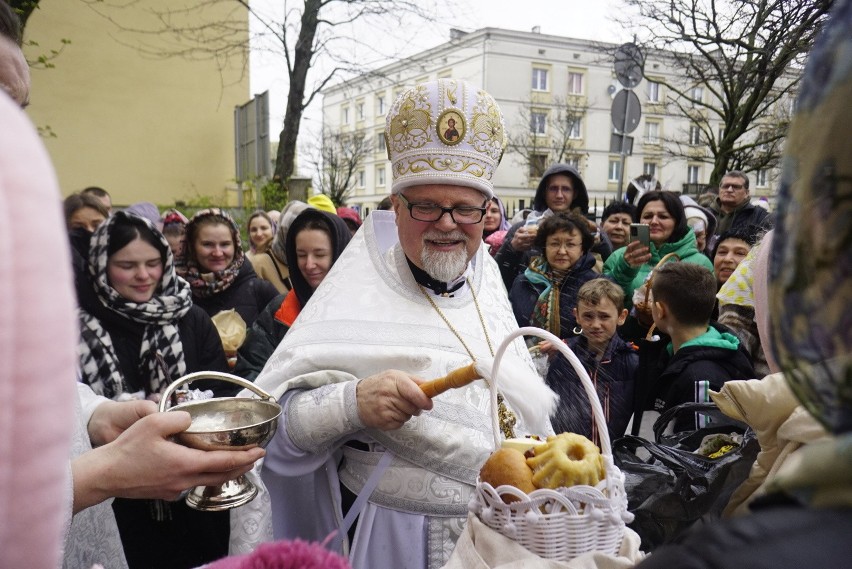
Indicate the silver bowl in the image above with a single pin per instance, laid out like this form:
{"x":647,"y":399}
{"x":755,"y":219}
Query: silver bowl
{"x":225,"y":423}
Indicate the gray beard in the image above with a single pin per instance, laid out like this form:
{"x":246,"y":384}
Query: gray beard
{"x":444,"y":267}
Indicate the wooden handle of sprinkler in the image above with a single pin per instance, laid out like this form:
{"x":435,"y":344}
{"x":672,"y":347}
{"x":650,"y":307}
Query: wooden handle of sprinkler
{"x":456,"y":378}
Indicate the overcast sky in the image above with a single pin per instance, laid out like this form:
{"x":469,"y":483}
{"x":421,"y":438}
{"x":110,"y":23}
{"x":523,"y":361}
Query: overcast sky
{"x":571,"y":18}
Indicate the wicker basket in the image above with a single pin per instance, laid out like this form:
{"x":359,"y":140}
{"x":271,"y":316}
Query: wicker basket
{"x":563,"y":523}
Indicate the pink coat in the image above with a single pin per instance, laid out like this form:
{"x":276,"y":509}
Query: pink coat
{"x":37,"y":350}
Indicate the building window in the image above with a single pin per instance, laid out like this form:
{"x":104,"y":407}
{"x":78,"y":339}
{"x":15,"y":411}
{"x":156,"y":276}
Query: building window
{"x":760,"y":179}
{"x":359,"y":108}
{"x":763,"y":144}
{"x":694,"y":135}
{"x":575,"y":83}
{"x":538,"y":123}
{"x":574,"y":161}
{"x":538,"y":164}
{"x":380,"y":176}
{"x":362,"y":181}
{"x":614,"y":170}
{"x":697,"y":96}
{"x":539,"y":79}
{"x":653,"y":92}
{"x":692,"y":173}
{"x":721,"y":132}
{"x":652,"y":132}
{"x":380,"y":105}
{"x":345,"y":119}
{"x":380,"y":141}
{"x":575,"y":128}
{"x":650,"y":169}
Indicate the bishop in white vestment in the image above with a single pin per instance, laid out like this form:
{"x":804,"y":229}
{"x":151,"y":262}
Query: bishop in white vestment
{"x":413,"y":297}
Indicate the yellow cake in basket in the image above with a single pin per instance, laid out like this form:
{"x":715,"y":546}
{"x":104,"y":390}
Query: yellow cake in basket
{"x":567,"y":459}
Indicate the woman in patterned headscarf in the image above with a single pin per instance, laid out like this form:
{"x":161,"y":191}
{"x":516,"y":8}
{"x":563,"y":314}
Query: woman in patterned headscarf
{"x":215,"y":267}
{"x":139,"y":331}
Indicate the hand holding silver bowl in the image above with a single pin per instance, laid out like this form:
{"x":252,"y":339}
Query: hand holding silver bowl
{"x":225,"y":423}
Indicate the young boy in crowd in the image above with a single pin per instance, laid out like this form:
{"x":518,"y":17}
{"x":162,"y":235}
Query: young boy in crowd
{"x":610,"y":362}
{"x":702,"y":355}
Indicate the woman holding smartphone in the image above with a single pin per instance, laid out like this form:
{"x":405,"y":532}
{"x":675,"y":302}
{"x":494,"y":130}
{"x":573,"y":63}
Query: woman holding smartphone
{"x":668,"y":232}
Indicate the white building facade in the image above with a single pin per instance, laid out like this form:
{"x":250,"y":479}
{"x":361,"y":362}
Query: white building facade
{"x":537,"y":79}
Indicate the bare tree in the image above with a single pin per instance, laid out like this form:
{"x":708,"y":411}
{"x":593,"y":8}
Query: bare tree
{"x":736,"y":66}
{"x":338,"y":157}
{"x":545,"y":134}
{"x":319,"y":41}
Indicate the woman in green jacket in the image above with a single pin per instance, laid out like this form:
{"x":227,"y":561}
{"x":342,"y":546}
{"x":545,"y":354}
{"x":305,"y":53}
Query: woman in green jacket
{"x":629,"y":266}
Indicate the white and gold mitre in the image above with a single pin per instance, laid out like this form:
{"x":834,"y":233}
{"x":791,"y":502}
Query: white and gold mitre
{"x":445,"y":132}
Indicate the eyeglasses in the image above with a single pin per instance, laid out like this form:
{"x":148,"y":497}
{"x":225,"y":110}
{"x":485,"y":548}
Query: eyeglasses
{"x":732,"y":187}
{"x":461,"y":214}
{"x":559,"y":245}
{"x":560,"y":189}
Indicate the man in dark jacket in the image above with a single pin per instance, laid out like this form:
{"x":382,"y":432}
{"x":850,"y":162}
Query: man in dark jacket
{"x":560,"y":189}
{"x":733,"y":207}
{"x":701,"y":356}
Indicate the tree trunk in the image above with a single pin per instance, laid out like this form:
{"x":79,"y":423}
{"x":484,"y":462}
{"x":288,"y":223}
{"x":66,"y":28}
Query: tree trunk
{"x":285,"y":162}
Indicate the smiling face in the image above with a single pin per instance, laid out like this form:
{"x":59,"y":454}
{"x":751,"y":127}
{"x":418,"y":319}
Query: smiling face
{"x":492,"y":216}
{"x":563,"y":249}
{"x":260,"y":232}
{"x":660,"y":222}
{"x":442,"y":248}
{"x":314,"y":255}
{"x":135,"y":270}
{"x":214,"y":247}
{"x":729,"y":254}
{"x":617,"y":228}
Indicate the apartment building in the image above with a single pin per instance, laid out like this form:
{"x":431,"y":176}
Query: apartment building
{"x":555,"y":92}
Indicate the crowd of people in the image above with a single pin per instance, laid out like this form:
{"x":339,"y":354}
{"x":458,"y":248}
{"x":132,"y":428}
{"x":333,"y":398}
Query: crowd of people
{"x":665,"y":300}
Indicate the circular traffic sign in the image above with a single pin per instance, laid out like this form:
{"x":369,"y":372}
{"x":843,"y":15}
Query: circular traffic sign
{"x":629,"y":65}
{"x":626,"y":111}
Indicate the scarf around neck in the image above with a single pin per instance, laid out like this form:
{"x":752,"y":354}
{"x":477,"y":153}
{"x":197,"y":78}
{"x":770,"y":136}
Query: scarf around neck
{"x":546,"y":313}
{"x":205,"y":285}
{"x":161,"y":351}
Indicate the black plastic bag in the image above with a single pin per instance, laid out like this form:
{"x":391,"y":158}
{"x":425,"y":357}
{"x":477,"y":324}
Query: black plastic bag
{"x":673,"y":488}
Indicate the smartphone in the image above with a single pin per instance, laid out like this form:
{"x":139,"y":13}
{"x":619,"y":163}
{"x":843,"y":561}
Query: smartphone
{"x":640,"y":232}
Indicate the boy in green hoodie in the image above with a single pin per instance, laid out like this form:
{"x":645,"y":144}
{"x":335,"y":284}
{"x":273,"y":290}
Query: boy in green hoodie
{"x":702,"y":355}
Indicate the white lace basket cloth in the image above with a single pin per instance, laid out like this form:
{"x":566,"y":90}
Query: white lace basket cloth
{"x":564,"y":523}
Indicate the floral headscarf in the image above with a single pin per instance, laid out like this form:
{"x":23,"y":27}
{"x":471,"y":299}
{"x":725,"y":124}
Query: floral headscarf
{"x":207,"y":284}
{"x":546,"y":313}
{"x":810,"y":268}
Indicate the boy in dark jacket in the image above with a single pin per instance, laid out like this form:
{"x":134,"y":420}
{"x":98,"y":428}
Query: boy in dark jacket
{"x":610,"y":362}
{"x":701,"y":356}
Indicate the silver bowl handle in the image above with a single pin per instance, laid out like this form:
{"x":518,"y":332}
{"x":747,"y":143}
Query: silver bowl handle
{"x":167,"y":394}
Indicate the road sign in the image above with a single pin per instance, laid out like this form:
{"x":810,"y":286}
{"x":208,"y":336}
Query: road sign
{"x":619,"y":143}
{"x":626,"y":111}
{"x":629,"y":65}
